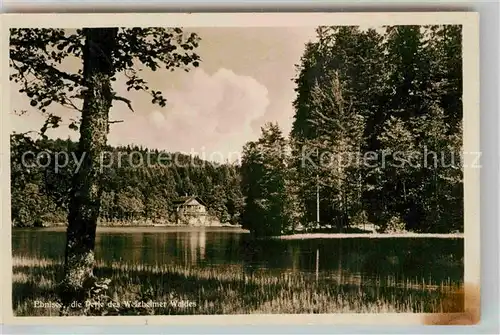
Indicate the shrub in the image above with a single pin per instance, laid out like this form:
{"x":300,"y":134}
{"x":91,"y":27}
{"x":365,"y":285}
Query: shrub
{"x":395,"y":225}
{"x":359,"y":219}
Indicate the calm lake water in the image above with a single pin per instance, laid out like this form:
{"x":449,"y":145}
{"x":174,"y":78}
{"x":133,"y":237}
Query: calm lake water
{"x":432,"y":260}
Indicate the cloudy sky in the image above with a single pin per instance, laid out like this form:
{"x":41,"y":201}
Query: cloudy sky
{"x":245,"y":80}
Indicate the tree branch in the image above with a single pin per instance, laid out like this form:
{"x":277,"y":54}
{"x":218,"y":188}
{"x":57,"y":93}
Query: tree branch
{"x":49,"y":68}
{"x":125,"y":100}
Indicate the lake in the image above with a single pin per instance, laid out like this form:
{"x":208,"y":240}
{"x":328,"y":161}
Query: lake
{"x":431,"y":261}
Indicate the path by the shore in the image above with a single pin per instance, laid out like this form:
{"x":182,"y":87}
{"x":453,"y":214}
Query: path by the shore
{"x":239,"y":229}
{"x":365,"y":235}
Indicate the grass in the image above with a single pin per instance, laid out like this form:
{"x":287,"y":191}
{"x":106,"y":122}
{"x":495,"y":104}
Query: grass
{"x":148,"y":229}
{"x":231,"y":290}
{"x":366,"y":235}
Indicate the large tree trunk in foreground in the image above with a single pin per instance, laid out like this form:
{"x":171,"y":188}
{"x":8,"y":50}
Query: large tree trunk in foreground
{"x":86,"y":191}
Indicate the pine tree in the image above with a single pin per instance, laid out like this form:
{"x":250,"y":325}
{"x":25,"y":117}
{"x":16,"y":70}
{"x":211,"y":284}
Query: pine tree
{"x":397,"y":82}
{"x":264,"y":174}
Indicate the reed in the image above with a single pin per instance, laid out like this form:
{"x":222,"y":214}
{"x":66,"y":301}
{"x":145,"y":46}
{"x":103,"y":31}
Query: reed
{"x":228,"y":290}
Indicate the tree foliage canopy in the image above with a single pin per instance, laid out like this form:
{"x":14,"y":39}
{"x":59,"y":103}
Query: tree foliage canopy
{"x":39,"y":59}
{"x":367,"y":101}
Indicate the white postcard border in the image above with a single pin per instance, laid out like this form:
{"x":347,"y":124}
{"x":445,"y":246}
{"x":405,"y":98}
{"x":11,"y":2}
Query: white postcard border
{"x":470,"y":22}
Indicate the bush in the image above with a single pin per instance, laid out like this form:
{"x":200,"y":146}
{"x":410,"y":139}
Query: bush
{"x":359,"y":219}
{"x":395,"y":225}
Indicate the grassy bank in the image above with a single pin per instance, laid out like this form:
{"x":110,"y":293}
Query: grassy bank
{"x":128,"y":224}
{"x":227,"y":290}
{"x":146,"y":229}
{"x":239,"y":229}
{"x":366,"y":235}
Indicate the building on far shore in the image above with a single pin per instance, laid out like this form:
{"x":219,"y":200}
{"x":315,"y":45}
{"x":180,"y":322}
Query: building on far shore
{"x":191,"y":211}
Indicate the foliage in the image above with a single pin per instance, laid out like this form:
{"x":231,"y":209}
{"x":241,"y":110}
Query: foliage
{"x":131,"y":192}
{"x":264,"y":184}
{"x":38,"y":58}
{"x":385,"y":96}
{"x":394,"y":226}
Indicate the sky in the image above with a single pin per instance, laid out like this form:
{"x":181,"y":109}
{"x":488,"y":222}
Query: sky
{"x":244,"y":81}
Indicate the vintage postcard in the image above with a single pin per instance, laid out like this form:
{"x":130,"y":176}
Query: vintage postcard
{"x":240,"y":168}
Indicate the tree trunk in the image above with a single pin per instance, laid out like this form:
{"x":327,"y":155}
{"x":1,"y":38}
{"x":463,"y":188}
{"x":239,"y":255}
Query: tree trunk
{"x":86,"y":191}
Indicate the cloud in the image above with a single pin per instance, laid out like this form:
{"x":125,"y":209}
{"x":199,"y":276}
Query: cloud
{"x":224,"y":102}
{"x":156,"y":118}
{"x":210,"y":113}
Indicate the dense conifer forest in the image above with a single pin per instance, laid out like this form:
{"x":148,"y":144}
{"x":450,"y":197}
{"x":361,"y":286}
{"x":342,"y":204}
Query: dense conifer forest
{"x":377,"y":136}
{"x":139,"y":184}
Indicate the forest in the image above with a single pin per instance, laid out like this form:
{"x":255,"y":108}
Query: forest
{"x":138,"y":184}
{"x":388,"y":92}
{"x":393,"y":95}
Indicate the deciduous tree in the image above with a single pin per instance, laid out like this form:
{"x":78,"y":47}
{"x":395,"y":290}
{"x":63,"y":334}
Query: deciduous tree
{"x":37,"y":57}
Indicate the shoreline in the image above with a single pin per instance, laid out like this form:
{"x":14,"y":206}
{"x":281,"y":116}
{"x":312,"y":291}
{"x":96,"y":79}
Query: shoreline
{"x":141,"y":228}
{"x":364,"y":235}
{"x":239,"y":229}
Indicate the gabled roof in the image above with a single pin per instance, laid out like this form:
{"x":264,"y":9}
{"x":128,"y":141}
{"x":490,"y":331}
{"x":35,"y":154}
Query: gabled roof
{"x":186,"y":199}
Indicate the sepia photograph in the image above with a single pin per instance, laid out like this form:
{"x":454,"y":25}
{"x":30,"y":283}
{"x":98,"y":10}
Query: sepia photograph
{"x":206,"y":169}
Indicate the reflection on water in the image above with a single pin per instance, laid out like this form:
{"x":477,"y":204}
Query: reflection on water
{"x":197,"y":242}
{"x":431,"y":260}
